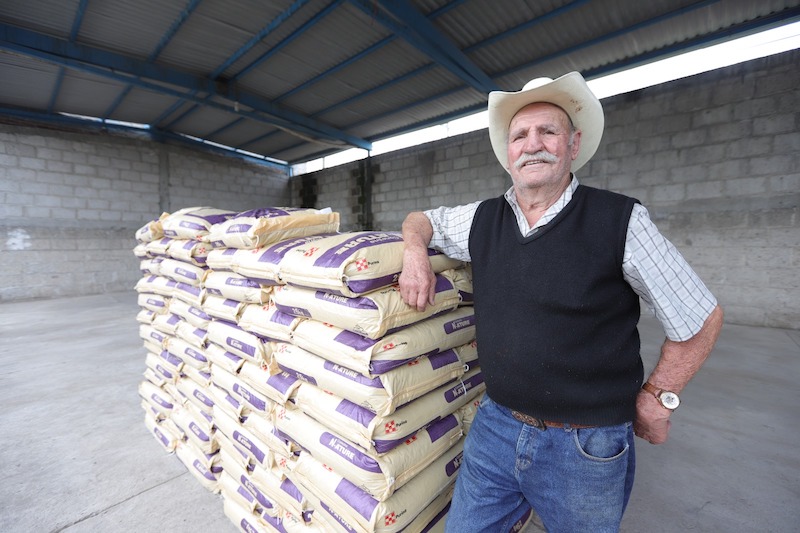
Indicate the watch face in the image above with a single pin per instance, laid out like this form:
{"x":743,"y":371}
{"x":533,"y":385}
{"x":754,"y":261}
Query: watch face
{"x":670,"y":400}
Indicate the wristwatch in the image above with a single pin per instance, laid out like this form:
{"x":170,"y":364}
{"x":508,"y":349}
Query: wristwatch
{"x":668,"y":399}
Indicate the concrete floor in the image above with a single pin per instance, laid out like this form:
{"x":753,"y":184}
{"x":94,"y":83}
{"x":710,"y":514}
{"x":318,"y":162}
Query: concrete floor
{"x":76,"y":456}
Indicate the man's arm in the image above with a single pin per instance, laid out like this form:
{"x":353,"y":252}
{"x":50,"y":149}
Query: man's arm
{"x":678,"y":363}
{"x":417,"y":280}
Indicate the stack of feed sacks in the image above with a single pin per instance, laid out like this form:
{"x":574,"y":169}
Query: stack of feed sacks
{"x":174,"y":393}
{"x":294,"y":380}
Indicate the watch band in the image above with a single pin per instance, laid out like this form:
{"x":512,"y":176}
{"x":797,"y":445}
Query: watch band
{"x":668,"y":399}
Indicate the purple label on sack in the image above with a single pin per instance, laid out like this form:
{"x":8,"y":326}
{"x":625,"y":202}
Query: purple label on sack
{"x":160,"y":401}
{"x":173,"y":319}
{"x":276,"y":252}
{"x":156,"y":303}
{"x":241,"y":346}
{"x":185,"y":273}
{"x":250,"y":397}
{"x":230,"y":303}
{"x":205,"y":400}
{"x":442,"y":359}
{"x":249,"y":446}
{"x":199,"y":433}
{"x":238,"y":228}
{"x":194,"y":354}
{"x":161,"y":437}
{"x":352,"y":375}
{"x":213,"y":291}
{"x":349,"y":452}
{"x":452,"y":467}
{"x":205,"y":472}
{"x":190,"y":289}
{"x":335,"y":257}
{"x":281,"y":318}
{"x":352,"y":303}
{"x":242,"y":282}
{"x":459,"y":324}
{"x":355,"y":412}
{"x":291,"y":489}
{"x":253,"y":489}
{"x":461,"y":388}
{"x":443,"y":284}
{"x":360,"y":501}
{"x":281,"y":382}
{"x":164,"y":372}
{"x":199,"y":313}
{"x":171,"y":359}
{"x":441,"y":427}
{"x":382,"y":367}
{"x":264,"y":212}
{"x":273,"y":521}
{"x":294,"y":311}
{"x":244,"y":493}
{"x":297,"y":374}
{"x":341,"y":521}
{"x":355,"y":341}
{"x":361,"y":286}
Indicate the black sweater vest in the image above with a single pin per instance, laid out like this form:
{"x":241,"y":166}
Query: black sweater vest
{"x":556,"y":321}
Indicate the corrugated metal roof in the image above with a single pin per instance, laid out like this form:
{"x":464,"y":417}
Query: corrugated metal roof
{"x":293,"y":80}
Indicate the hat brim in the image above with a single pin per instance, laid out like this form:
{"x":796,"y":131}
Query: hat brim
{"x":569,"y":92}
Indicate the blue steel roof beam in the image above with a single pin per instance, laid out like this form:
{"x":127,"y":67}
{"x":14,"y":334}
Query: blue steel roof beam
{"x":258,"y":37}
{"x":785,"y":17}
{"x":431,"y":41}
{"x":162,"y":43}
{"x":377,"y":46}
{"x":413,"y":38}
{"x":73,"y":34}
{"x":28,"y":114}
{"x":609,"y":36}
{"x":373,"y":48}
{"x":219,"y":130}
{"x":131,"y":70}
{"x":294,"y":35}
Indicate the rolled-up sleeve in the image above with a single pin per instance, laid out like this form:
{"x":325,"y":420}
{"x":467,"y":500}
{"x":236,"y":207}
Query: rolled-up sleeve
{"x":451,"y":227}
{"x":667,"y":284}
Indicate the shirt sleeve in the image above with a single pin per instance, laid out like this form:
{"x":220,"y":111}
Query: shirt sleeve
{"x":451,"y":227}
{"x":660,"y":275}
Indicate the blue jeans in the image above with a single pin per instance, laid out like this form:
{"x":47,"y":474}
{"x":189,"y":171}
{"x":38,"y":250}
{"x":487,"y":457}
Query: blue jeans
{"x":575,"y":479}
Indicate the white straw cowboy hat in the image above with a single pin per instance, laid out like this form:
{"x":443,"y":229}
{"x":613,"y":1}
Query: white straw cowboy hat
{"x":569,"y":92}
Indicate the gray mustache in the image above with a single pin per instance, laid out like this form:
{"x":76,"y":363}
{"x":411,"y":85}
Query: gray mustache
{"x":541,"y":155}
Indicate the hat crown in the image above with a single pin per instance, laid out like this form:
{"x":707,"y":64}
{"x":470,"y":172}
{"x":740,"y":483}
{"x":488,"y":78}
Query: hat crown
{"x":535,"y":83}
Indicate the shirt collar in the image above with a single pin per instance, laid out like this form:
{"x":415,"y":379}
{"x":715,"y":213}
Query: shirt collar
{"x":549,"y":215}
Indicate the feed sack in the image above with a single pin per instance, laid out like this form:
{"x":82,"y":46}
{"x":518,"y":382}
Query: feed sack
{"x":191,"y":314}
{"x":368,"y":515}
{"x":203,"y":467}
{"x":223,"y":308}
{"x":371,"y":315}
{"x":268,"y":321}
{"x":182,"y":271}
{"x":236,"y":287}
{"x":377,"y":356}
{"x":243,"y":393}
{"x":193,"y":222}
{"x":236,"y":340}
{"x":380,"y":434}
{"x":268,"y":225}
{"x":352,"y":264}
{"x":263,"y":264}
{"x":381,"y":394}
{"x":189,"y":251}
{"x":380,"y":476}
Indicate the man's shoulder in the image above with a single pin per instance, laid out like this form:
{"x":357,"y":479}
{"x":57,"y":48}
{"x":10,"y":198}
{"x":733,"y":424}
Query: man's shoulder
{"x":605,"y":194}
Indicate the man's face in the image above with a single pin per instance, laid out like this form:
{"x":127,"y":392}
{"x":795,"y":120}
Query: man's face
{"x":539,"y":148}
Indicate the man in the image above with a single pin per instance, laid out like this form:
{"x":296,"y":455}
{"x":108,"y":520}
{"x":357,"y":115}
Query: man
{"x":558,"y":271}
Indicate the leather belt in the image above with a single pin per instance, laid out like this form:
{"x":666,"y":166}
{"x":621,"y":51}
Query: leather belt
{"x":544,"y":424}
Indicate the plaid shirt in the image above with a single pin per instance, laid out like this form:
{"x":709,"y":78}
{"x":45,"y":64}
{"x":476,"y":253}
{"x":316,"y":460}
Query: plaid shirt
{"x":651,"y":265}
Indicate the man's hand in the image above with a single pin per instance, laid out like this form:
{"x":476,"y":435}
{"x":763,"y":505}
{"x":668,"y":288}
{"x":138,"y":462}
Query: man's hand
{"x":652,"y":419}
{"x":417,"y":280}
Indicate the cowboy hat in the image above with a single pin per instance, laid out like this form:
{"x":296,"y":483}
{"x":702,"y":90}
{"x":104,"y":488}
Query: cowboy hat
{"x":569,"y":92}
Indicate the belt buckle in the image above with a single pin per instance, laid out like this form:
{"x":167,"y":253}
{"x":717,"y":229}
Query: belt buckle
{"x":538,"y":423}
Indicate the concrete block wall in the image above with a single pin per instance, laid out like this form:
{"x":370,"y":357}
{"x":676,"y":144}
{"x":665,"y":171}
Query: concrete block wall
{"x":70,"y":204}
{"x":714,"y":157}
